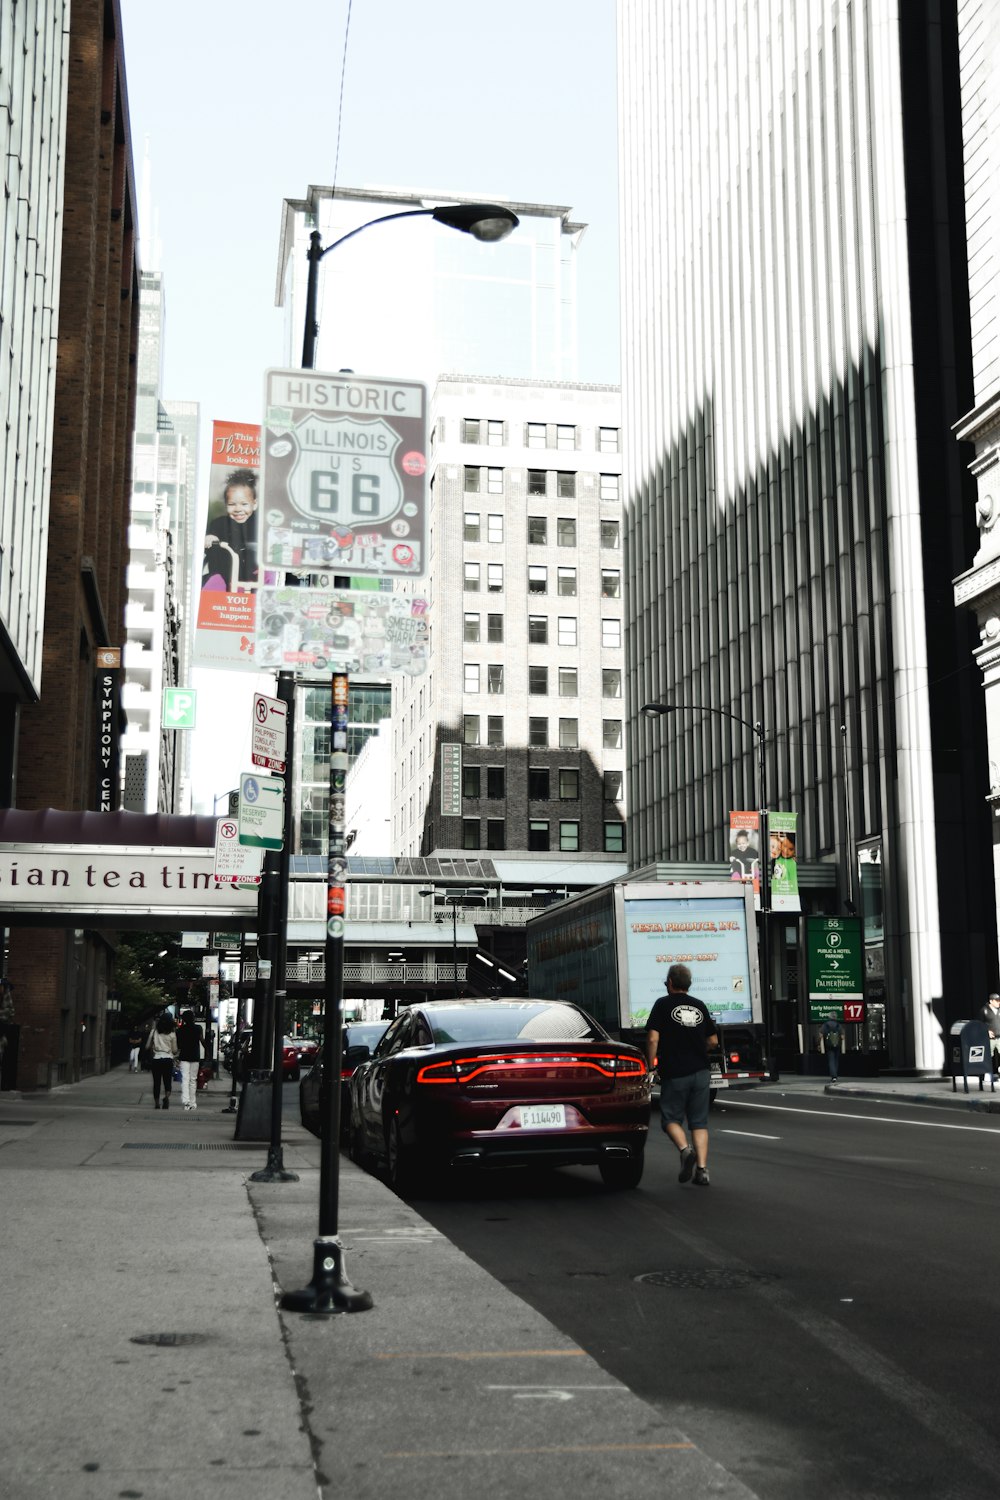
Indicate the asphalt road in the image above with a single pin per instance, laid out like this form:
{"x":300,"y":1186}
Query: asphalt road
{"x":823,"y":1319}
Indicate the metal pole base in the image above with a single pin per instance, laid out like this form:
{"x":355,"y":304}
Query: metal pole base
{"x":275,"y":1169}
{"x":329,"y":1291}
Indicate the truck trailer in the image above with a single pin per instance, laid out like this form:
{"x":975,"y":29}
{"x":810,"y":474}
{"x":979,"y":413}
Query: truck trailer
{"x":609,"y":950}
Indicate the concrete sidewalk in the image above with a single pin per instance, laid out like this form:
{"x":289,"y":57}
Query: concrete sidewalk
{"x":924,"y":1089}
{"x":143,"y":1354}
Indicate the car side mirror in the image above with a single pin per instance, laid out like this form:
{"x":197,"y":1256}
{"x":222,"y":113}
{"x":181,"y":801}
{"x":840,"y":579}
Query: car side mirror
{"x":356,"y":1055}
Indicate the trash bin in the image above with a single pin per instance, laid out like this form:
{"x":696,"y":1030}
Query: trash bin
{"x":970,"y":1054}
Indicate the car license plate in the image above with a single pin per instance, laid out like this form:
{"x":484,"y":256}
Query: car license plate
{"x":543,"y":1116}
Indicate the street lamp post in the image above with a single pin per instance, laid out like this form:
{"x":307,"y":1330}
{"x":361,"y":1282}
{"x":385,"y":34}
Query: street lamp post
{"x":656,"y":710}
{"x":330,"y":1291}
{"x":454,"y":899}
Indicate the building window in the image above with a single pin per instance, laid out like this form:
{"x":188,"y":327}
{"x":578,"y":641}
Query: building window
{"x":495,"y":789}
{"x":611,"y":632}
{"x":538,"y":579}
{"x":535,"y":435}
{"x":565,"y":436}
{"x":566,"y":582}
{"x":494,"y":729}
{"x":611,"y":683}
{"x":494,"y":481}
{"x":612,"y":734}
{"x":569,"y":786}
{"x":538,"y":783}
{"x":470,"y":781}
{"x":494,"y":528}
{"x":566,"y":531}
{"x":470,"y":729}
{"x":538,"y":834}
{"x":494,"y":434}
{"x":494,"y":578}
{"x":471,"y":677}
{"x":611,"y":583}
{"x":470,"y":833}
{"x":569,"y":836}
{"x":538,"y":630}
{"x":611,"y":536}
{"x":538,"y":734}
{"x":536,"y":482}
{"x":613,"y":786}
{"x":610,"y":486}
{"x":472,"y":578}
{"x":567,"y":682}
{"x":566,"y":628}
{"x":494,"y":678}
{"x":538,"y":680}
{"x":614,"y":838}
{"x":470,"y":430}
{"x":607,"y":439}
{"x":538,"y":531}
{"x":566,"y":486}
{"x":470,"y":630}
{"x":496,"y":833}
{"x":569,"y":734}
{"x":471,"y":479}
{"x":494,"y":629}
{"x":471,"y":531}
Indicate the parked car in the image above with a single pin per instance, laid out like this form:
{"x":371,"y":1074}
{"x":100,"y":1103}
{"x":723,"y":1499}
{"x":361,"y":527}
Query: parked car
{"x":290,"y":1064}
{"x":365,"y":1034}
{"x":306,"y":1047}
{"x":499,"y":1083}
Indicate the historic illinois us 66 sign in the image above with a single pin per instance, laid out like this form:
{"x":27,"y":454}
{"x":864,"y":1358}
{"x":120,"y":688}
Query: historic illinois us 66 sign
{"x":344,"y":464}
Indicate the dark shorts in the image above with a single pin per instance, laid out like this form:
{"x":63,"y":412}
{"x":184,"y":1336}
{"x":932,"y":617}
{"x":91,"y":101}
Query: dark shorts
{"x":688,"y":1097}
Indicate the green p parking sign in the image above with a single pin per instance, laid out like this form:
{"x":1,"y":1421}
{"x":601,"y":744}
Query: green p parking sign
{"x":835,"y":957}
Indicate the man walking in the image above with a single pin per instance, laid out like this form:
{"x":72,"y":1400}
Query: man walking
{"x":679,"y":1033}
{"x":990,"y":1016}
{"x":833,"y":1038}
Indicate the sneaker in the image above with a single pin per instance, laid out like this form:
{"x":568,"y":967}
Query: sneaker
{"x":688,"y":1160}
{"x":166,"y":1103}
{"x":701,"y":1177}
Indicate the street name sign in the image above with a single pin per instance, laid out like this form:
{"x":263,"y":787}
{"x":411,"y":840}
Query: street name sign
{"x":262,"y":811}
{"x":269,"y":733}
{"x":344,"y":474}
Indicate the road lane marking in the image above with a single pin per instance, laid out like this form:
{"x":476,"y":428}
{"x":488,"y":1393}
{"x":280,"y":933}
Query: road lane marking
{"x":491,"y":1354}
{"x":789,"y":1109}
{"x":577,"y":1448}
{"x":757,"y":1135}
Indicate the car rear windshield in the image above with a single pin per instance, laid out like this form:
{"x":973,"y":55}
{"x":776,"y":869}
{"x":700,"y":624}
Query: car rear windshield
{"x":364,"y":1036}
{"x":530,"y":1020}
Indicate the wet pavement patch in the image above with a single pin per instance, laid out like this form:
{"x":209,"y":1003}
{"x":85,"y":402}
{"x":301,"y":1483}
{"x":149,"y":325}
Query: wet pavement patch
{"x":705,"y":1279}
{"x":169,"y":1340}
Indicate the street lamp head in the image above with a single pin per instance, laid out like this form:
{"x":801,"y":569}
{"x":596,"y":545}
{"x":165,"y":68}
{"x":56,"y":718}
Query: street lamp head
{"x":655,"y":710}
{"x":484,"y":221}
{"x":426,"y":891}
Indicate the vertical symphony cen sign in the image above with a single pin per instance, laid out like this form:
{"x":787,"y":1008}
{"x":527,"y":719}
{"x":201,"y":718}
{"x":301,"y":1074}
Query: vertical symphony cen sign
{"x":109,"y":660}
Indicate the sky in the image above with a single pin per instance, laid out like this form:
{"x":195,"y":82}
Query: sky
{"x":240,"y":106}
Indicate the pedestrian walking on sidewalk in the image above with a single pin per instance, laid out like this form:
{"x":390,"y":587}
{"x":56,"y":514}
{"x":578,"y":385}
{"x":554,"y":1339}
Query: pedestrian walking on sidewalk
{"x":679,"y":1033}
{"x":162,"y":1044}
{"x":189,"y":1051}
{"x":833,"y":1040}
{"x":990,"y":1016}
{"x":134,"y":1047}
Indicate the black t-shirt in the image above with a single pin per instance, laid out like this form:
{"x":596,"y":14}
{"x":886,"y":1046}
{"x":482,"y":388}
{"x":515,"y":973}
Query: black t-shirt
{"x":684,"y":1026}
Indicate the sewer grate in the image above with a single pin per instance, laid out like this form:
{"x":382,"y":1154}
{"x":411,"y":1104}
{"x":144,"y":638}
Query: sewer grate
{"x":705,"y":1279}
{"x":4,"y":1124}
{"x":169,"y":1340}
{"x":193,"y":1146}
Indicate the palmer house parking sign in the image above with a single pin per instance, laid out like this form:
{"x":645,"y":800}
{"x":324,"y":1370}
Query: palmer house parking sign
{"x":344,"y":460}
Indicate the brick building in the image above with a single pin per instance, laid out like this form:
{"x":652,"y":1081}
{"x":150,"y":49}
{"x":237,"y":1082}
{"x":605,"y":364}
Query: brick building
{"x":70,"y":709}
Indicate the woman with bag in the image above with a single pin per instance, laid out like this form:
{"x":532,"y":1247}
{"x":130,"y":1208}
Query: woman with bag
{"x":162,"y":1044}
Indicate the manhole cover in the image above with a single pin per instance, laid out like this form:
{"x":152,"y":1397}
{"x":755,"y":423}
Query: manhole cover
{"x":169,"y":1340}
{"x":705,"y":1279}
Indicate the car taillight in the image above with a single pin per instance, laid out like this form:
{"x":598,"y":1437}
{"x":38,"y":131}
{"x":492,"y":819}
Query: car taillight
{"x":734,"y":1057}
{"x":463,"y":1069}
{"x":347,"y":1072}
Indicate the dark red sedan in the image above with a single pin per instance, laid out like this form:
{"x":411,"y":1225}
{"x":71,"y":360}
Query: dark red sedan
{"x":500,"y":1083}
